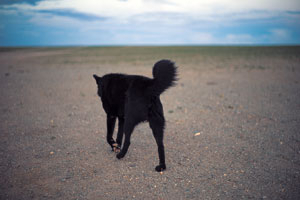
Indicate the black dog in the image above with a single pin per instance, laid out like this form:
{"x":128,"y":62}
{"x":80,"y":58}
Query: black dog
{"x":134,"y":99}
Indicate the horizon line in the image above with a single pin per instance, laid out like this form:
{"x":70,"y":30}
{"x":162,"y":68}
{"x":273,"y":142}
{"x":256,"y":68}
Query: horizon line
{"x":155,"y":45}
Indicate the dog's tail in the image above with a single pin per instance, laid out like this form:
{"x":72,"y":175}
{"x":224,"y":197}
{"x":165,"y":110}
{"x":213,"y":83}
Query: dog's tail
{"x":164,"y":76}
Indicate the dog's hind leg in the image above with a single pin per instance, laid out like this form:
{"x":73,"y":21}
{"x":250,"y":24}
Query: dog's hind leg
{"x":157,"y":126}
{"x":110,"y":124}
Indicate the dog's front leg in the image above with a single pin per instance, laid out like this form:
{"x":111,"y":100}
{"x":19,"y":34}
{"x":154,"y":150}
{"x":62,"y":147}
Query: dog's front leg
{"x":120,"y":131}
{"x":110,"y":123}
{"x":128,"y":128}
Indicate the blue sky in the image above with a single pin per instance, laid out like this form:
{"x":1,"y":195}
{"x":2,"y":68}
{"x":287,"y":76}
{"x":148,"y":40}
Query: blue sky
{"x":149,"y":22}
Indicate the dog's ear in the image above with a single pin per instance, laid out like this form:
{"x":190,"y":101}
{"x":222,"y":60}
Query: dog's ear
{"x":97,"y":78}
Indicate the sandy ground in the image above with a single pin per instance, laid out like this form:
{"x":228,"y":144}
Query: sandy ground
{"x":233,"y":124}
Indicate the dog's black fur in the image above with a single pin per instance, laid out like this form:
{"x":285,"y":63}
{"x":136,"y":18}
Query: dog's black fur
{"x":134,"y":99}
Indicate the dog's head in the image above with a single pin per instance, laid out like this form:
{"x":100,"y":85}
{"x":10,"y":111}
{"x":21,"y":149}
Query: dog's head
{"x":99,"y":83}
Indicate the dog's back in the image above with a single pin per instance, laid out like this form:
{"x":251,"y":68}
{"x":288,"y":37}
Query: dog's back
{"x":116,"y":86}
{"x":119,"y":88}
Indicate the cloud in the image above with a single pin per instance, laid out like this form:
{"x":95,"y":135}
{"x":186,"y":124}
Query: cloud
{"x":280,"y":33}
{"x":152,"y":21}
{"x":169,"y":11}
{"x":73,"y":14}
{"x":204,"y":9}
{"x":239,"y":39}
{"x":279,"y":36}
{"x":200,"y":38}
{"x":9,"y":2}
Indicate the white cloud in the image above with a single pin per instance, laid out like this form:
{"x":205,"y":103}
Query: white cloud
{"x":279,"y":36}
{"x":280,"y":33}
{"x":201,"y":38}
{"x":8,"y":12}
{"x":239,"y":39}
{"x":160,"y":21}
{"x":201,"y":9}
{"x":50,"y":20}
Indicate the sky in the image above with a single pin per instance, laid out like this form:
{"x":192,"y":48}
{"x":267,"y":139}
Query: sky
{"x":149,"y":22}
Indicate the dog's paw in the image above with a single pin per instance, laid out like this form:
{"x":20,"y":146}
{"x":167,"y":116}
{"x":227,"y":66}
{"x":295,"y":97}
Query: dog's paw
{"x":160,"y":167}
{"x":116,"y":148}
{"x":120,"y":155}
